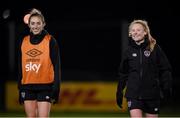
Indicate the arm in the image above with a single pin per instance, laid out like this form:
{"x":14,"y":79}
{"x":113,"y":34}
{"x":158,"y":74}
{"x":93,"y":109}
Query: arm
{"x":19,"y":65}
{"x":122,"y":77}
{"x":19,"y":59}
{"x":165,"y":72}
{"x":123,"y":71}
{"x":55,"y":58}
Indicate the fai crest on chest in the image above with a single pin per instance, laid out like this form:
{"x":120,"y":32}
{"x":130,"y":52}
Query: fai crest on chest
{"x":147,"y":53}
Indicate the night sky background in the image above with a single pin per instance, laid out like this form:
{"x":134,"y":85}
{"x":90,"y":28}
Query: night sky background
{"x":89,"y":34}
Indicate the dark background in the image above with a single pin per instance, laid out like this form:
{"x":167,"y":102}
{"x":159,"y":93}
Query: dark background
{"x":89,"y":34}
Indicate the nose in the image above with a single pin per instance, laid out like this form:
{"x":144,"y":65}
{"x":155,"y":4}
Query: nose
{"x":135,"y":32}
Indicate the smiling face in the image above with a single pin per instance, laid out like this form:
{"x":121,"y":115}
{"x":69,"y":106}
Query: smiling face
{"x":137,"y":32}
{"x":36,"y":24}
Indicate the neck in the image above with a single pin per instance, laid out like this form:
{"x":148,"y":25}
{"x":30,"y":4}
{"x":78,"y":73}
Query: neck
{"x":139,"y":42}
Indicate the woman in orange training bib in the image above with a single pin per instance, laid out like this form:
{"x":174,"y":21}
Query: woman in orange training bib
{"x":39,"y":68}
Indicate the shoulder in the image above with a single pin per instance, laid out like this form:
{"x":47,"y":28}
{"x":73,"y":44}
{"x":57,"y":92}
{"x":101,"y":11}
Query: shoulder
{"x":126,"y":51}
{"x":158,"y":48}
{"x":52,"y":40}
{"x":53,"y":43}
{"x":159,"y":51}
{"x":24,"y":38}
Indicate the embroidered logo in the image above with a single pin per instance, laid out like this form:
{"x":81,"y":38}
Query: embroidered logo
{"x":23,"y":94}
{"x":147,"y":53}
{"x":33,"y":52}
{"x":47,"y":97}
{"x":129,"y":104}
{"x":155,"y":109}
{"x":134,"y":54}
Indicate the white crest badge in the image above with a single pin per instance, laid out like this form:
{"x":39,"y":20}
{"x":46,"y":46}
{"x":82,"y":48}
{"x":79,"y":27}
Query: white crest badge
{"x":129,"y":104}
{"x":23,"y":94}
{"x":147,"y":53}
{"x":134,"y":54}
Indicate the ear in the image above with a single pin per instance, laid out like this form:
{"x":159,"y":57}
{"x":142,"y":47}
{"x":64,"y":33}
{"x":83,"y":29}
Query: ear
{"x":26,"y":18}
{"x":145,"y":33}
{"x":29,"y":26}
{"x":44,"y":24}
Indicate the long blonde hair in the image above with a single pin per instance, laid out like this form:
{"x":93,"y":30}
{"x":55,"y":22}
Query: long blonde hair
{"x":144,"y":23}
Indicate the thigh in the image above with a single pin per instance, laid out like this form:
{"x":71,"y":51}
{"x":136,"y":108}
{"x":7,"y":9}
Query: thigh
{"x":135,"y":107}
{"x":151,"y":115}
{"x":136,"y":113}
{"x":30,"y":103}
{"x":44,"y":103}
{"x":30,"y":107}
{"x":44,"y":108}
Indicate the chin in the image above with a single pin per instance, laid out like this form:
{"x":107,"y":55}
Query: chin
{"x":35,"y":33}
{"x":137,"y":39}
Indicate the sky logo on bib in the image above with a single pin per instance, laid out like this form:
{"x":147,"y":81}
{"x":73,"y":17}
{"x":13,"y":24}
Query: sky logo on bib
{"x":32,"y":67}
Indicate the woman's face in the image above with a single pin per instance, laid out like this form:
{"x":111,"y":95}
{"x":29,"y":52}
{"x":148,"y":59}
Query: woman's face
{"x":137,"y":32}
{"x":36,"y":25}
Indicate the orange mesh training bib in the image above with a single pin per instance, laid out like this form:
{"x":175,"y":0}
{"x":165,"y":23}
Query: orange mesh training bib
{"x":37,"y":67}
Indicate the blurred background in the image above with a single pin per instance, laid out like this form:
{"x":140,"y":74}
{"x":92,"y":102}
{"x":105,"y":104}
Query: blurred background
{"x":91,"y":36}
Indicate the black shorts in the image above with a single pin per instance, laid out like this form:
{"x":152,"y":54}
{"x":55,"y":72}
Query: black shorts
{"x":150,"y":106}
{"x":39,"y":95}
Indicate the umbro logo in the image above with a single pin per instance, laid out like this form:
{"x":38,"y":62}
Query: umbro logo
{"x":33,"y":52}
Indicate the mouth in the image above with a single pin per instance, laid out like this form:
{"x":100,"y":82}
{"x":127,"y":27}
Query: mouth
{"x":135,"y":37}
{"x":35,"y":30}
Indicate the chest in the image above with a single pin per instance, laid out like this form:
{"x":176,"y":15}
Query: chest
{"x":138,"y":57}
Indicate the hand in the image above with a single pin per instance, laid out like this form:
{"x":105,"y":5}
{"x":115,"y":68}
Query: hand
{"x":21,"y":96}
{"x":167,"y":93}
{"x":55,"y":96}
{"x":166,"y":97}
{"x":119,"y":98}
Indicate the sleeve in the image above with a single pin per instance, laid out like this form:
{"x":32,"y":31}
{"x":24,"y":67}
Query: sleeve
{"x":123,"y":71}
{"x":165,"y":72}
{"x":122,"y":78}
{"x":55,"y":58}
{"x":19,"y":75}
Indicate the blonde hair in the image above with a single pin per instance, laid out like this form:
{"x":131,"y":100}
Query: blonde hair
{"x":36,"y":12}
{"x":144,"y":23}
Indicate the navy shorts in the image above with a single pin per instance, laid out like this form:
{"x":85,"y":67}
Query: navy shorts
{"x":39,"y":95}
{"x":150,"y":106}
